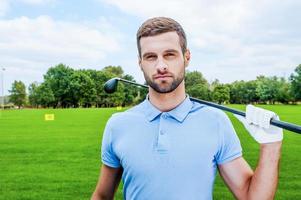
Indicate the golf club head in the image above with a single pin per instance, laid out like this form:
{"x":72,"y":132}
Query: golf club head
{"x":111,"y":85}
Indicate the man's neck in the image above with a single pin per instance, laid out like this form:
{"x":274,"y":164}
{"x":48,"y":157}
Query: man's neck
{"x":167,"y":101}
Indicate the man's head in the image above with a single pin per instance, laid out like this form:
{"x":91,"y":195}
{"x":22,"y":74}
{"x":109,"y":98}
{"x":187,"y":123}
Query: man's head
{"x":159,"y":25}
{"x":163,"y":53}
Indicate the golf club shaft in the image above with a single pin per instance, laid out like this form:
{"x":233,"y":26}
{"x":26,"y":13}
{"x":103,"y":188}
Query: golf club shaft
{"x":281,"y":124}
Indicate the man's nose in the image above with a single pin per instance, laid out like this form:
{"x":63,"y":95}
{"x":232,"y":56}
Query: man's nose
{"x":161,"y":66}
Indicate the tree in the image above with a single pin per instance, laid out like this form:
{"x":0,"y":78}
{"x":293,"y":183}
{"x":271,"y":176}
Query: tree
{"x":243,"y":92}
{"x":115,"y":70}
{"x":196,"y":85}
{"x":102,"y":98}
{"x":58,"y":78}
{"x":18,"y":94}
{"x":83,"y":89}
{"x":118,"y":98}
{"x":44,"y":95}
{"x":221,"y":93}
{"x":32,"y":94}
{"x":214,"y":84}
{"x":236,"y":91}
{"x":267,"y":89}
{"x":130,"y":91}
{"x":284,"y":91}
{"x":250,"y":95}
{"x":99,"y":78}
{"x":295,"y":79}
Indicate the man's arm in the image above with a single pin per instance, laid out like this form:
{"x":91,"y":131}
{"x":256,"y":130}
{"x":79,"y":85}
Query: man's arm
{"x":108,"y":182}
{"x":261,"y":184}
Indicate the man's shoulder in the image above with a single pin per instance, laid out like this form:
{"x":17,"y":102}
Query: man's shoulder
{"x":209,"y":111}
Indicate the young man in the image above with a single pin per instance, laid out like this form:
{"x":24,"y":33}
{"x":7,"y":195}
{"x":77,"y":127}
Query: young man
{"x":169,"y":147}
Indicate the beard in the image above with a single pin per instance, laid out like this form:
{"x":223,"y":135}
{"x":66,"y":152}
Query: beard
{"x":164,"y":86}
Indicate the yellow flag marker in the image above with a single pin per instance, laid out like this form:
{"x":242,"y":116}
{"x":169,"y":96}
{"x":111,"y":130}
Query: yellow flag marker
{"x":119,"y":107}
{"x":49,"y":117}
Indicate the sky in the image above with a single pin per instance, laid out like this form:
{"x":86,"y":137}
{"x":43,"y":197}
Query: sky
{"x":229,"y":40}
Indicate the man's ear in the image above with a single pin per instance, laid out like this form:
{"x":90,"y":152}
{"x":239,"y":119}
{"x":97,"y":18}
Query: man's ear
{"x":187,"y":57}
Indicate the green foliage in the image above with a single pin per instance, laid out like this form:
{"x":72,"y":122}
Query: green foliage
{"x":58,"y":78}
{"x":131,"y":92}
{"x":99,"y":78}
{"x":271,"y":89}
{"x":44,"y":95}
{"x":41,"y":95}
{"x":296,"y":83}
{"x":196,"y":85}
{"x":243,"y":92}
{"x":116,"y":71}
{"x":221,"y":93}
{"x":284,"y":91}
{"x":82,"y":87}
{"x":32,"y":96}
{"x":18,"y":93}
{"x":263,"y":89}
{"x":66,"y":87}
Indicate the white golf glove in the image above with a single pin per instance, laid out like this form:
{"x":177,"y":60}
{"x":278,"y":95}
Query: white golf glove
{"x":257,"y":122}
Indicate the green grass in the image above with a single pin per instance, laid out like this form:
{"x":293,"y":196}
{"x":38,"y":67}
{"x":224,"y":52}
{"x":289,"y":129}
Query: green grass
{"x":60,"y":159}
{"x":50,"y":159}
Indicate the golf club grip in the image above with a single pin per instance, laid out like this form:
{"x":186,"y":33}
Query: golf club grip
{"x":281,"y":124}
{"x":285,"y":125}
{"x":278,"y":123}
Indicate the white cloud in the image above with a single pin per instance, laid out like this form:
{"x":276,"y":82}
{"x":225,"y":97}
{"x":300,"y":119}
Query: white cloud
{"x":245,"y":36}
{"x":193,"y":14}
{"x":31,"y":46}
{"x":46,"y":39}
{"x":229,"y":40}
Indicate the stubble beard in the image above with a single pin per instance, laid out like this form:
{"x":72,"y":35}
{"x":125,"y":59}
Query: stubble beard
{"x":165,"y":87}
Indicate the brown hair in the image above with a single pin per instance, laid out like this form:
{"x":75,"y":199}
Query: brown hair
{"x":158,"y":25}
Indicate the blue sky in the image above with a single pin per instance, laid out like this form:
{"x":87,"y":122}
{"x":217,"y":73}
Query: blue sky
{"x":229,"y":40}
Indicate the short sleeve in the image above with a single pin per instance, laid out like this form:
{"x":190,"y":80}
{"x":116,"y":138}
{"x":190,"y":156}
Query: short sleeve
{"x":108,"y":156}
{"x":229,"y":144}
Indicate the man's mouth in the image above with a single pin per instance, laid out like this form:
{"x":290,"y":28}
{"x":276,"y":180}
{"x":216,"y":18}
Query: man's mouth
{"x":162,"y":76}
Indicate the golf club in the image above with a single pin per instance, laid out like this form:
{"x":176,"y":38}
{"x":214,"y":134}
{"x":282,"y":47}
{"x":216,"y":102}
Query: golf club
{"x":111,"y":86}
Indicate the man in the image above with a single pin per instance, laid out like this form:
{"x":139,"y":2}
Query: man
{"x":168,"y":147}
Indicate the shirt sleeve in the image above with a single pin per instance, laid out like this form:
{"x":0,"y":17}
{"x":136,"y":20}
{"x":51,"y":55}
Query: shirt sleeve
{"x":229,"y":144}
{"x":108,"y":156}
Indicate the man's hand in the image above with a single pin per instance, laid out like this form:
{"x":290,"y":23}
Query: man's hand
{"x":257,"y":122}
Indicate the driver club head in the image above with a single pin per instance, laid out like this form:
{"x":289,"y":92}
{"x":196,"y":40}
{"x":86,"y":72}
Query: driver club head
{"x":111,"y":85}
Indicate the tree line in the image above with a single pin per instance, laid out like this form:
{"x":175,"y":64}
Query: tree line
{"x":64,"y":87}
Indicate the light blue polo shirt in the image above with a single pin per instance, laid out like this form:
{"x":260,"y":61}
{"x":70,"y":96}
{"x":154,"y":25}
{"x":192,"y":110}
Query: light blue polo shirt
{"x":169,"y":155}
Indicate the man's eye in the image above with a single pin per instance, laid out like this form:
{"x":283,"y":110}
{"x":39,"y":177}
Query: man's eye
{"x":169,"y":55}
{"x":150,"y":57}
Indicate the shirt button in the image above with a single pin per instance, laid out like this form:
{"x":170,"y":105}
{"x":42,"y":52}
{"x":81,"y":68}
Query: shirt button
{"x":164,"y":116}
{"x":161,"y":133}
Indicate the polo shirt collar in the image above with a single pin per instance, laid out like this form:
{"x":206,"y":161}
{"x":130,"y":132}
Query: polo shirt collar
{"x":179,"y":113}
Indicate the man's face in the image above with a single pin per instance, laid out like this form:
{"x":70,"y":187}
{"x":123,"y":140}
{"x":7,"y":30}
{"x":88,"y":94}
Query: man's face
{"x":162,"y":61}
